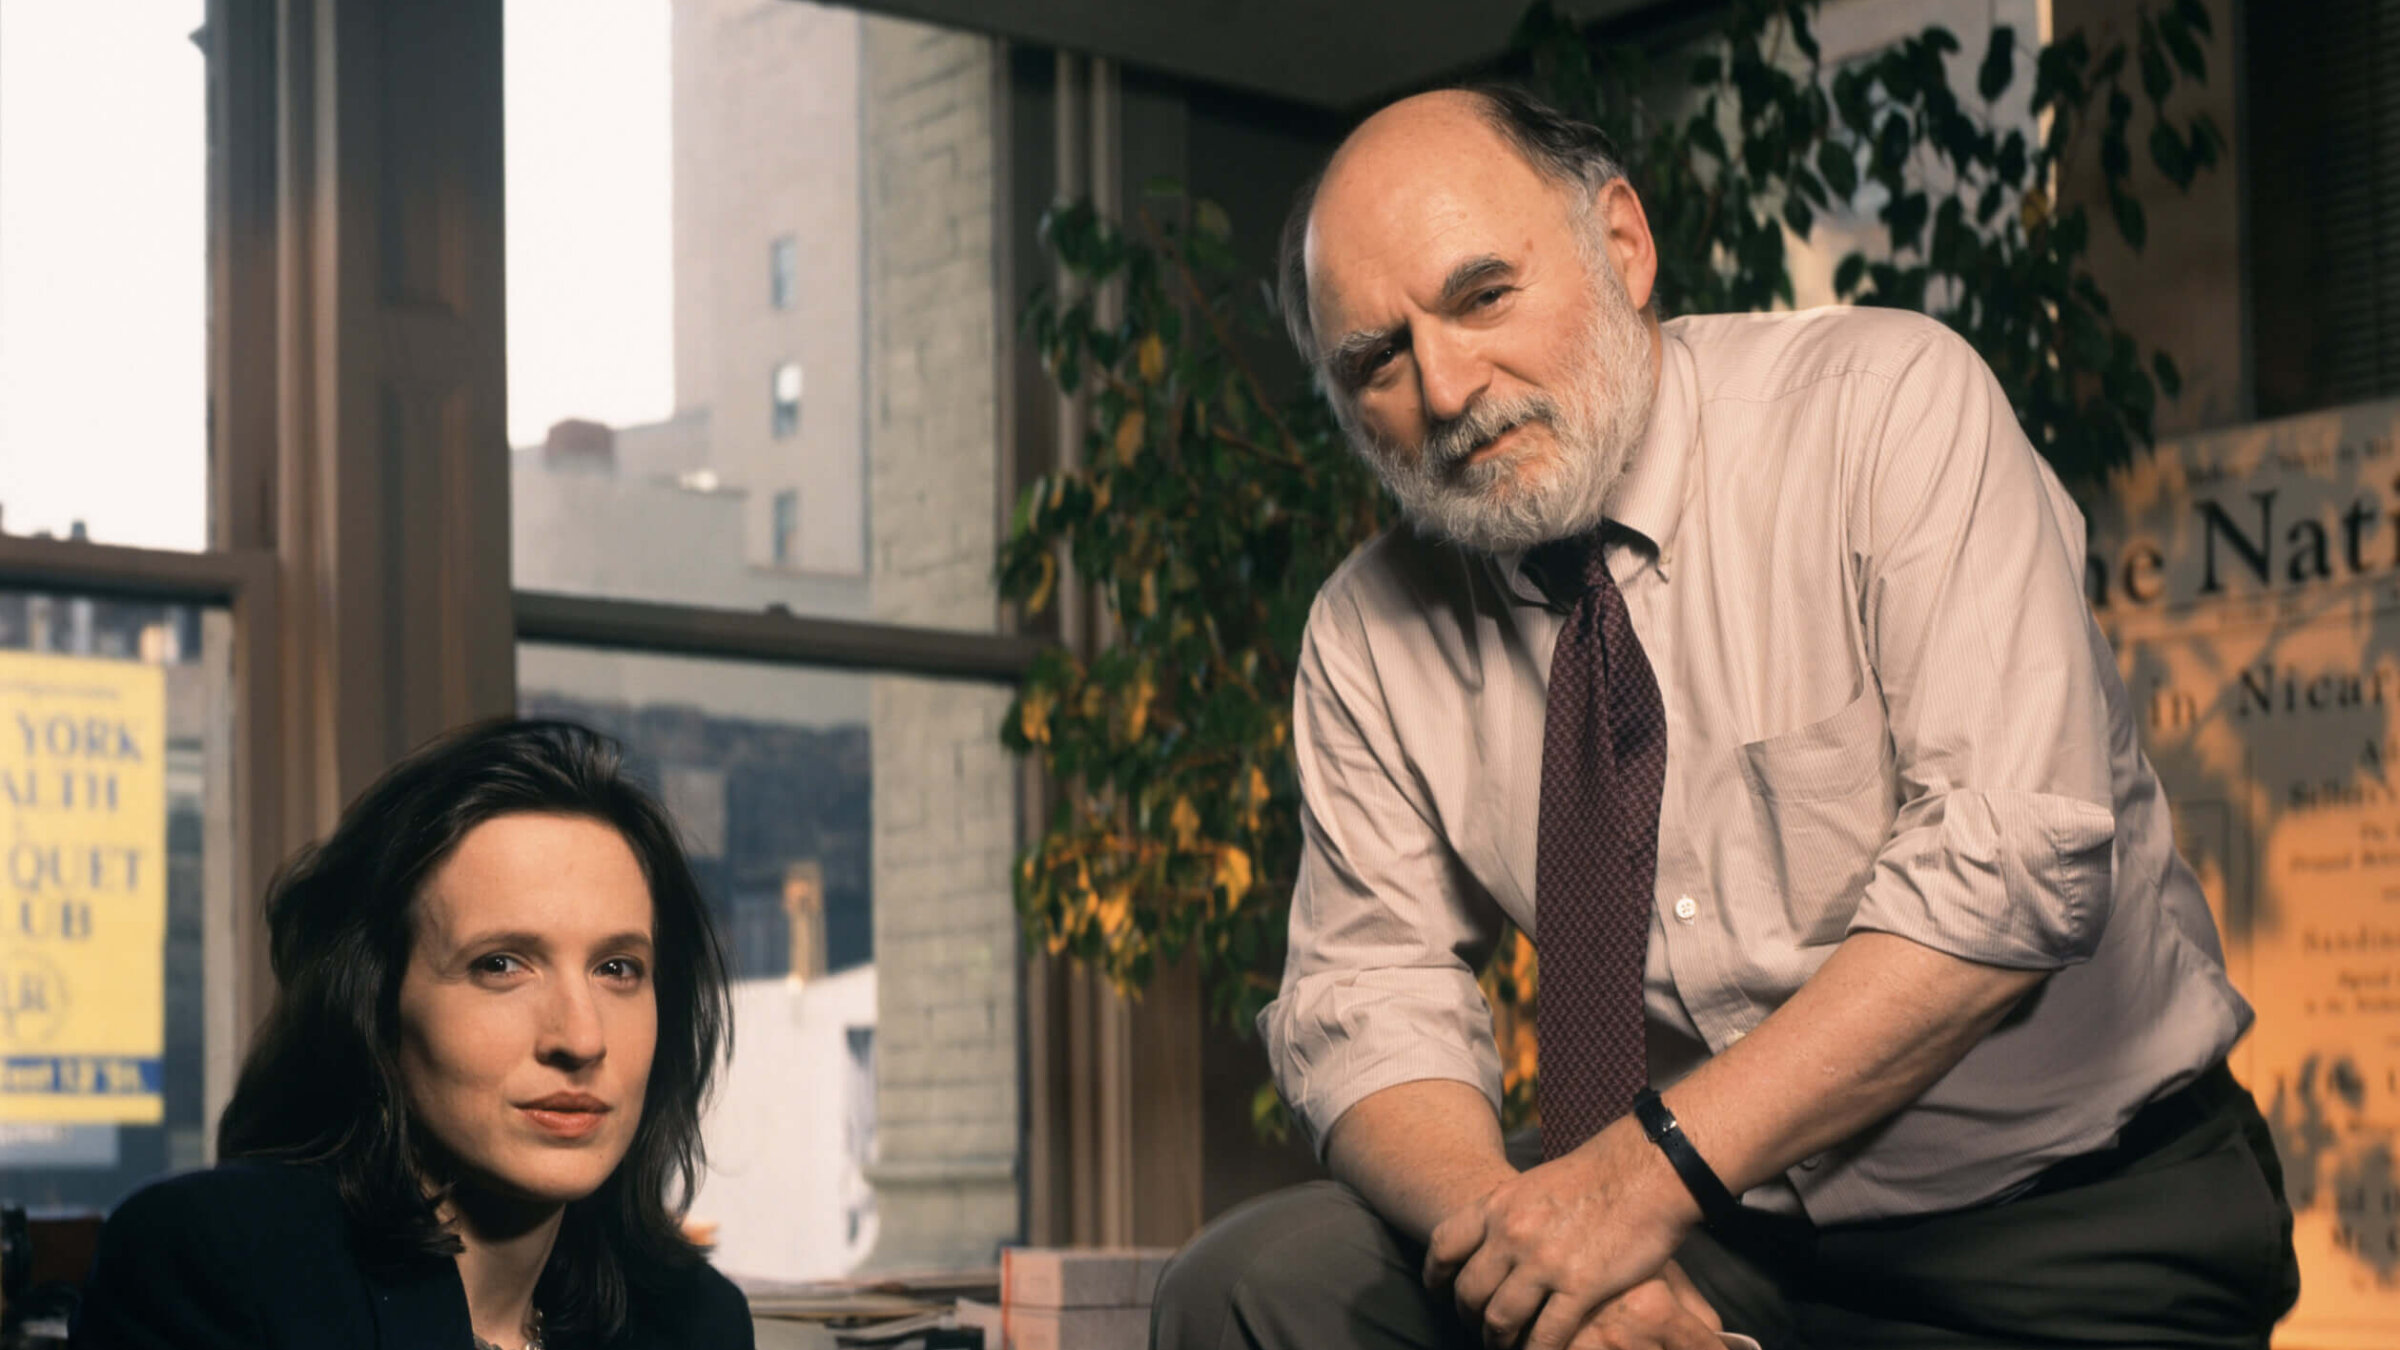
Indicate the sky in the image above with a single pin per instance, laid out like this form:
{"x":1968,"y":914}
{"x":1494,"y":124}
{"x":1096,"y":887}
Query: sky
{"x":590,"y":214}
{"x":103,"y":280}
{"x":102,"y":270}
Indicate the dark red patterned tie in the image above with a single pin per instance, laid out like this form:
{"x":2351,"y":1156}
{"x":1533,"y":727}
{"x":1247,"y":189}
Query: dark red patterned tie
{"x":1604,"y":766}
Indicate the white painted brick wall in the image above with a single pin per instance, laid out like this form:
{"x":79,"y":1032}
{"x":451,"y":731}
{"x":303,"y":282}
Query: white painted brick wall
{"x":945,"y":932}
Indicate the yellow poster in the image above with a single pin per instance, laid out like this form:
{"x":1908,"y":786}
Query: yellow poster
{"x":83,"y":907}
{"x":2250,"y":580}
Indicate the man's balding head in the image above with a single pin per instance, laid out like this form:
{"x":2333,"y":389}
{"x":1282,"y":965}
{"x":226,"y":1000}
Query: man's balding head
{"x":1481,"y":120}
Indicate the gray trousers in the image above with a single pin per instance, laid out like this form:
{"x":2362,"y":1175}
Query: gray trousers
{"x":2188,"y":1245}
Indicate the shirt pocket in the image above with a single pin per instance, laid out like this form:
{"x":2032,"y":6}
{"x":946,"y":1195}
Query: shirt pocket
{"x":1824,"y":798}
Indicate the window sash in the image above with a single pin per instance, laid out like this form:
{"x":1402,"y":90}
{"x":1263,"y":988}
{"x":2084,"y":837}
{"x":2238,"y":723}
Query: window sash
{"x":774,"y":636}
{"x":243,"y":582}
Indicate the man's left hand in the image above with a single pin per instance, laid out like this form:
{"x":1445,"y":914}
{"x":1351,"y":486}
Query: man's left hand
{"x":1545,"y":1249}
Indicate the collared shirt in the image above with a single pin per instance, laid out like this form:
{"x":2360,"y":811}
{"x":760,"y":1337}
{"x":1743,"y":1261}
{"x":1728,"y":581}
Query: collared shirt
{"x":1888,"y":709}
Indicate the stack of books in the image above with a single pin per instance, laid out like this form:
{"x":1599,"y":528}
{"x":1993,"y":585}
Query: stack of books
{"x":1070,"y":1299}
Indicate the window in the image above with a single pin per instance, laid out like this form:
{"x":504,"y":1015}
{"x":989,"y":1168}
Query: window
{"x":787,"y":399}
{"x":697,"y":580}
{"x":103,"y":275}
{"x":767,"y":771}
{"x":648,"y":153}
{"x":787,"y":527}
{"x":112,"y":742}
{"x":807,"y":799}
{"x":783,"y":271}
{"x":2323,"y":176}
{"x":136,"y":666}
{"x":853,"y":836}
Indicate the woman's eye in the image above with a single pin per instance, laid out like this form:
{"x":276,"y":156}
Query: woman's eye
{"x":497,"y":963}
{"x":622,"y":968}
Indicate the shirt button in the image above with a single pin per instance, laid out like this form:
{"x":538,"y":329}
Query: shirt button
{"x":1686,"y":908}
{"x":1734,"y":1037}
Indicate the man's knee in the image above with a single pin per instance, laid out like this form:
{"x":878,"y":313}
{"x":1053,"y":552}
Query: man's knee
{"x":1282,"y":1270}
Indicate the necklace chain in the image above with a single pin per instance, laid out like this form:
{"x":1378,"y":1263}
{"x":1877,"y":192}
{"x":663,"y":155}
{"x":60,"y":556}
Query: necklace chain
{"x":533,"y":1335}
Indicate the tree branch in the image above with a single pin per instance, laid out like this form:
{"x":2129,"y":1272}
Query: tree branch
{"x":1224,"y":335}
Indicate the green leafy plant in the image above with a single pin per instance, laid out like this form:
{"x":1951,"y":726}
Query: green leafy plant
{"x":1758,"y":138}
{"x":1206,"y":513}
{"x":1209,"y":507}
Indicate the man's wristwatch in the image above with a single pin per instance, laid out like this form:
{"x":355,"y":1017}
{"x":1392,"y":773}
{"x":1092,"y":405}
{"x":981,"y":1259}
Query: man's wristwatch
{"x":1716,"y":1203}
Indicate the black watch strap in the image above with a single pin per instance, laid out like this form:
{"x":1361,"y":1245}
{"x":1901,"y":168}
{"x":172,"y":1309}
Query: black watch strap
{"x":1716,"y":1203}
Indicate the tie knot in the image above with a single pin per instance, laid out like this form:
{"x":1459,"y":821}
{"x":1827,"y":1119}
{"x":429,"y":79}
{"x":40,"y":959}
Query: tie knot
{"x":1571,"y":568}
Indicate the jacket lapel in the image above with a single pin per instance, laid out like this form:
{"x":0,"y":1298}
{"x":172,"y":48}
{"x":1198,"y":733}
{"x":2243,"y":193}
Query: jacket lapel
{"x":421,"y":1306}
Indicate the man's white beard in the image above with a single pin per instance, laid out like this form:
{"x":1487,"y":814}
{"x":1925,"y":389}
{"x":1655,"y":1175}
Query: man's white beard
{"x":1502,"y":505}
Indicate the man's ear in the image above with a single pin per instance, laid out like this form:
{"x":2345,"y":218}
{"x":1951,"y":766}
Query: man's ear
{"x":1625,"y":231}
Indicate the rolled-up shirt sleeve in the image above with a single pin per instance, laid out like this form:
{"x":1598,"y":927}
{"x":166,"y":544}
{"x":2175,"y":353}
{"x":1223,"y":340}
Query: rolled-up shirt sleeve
{"x":1969,"y":558}
{"x":1387,"y":929}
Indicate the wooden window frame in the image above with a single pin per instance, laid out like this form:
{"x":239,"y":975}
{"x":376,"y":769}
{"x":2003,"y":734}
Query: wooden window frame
{"x":359,"y":508}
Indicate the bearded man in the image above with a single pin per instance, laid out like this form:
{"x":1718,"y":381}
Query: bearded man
{"x":1742,"y":661}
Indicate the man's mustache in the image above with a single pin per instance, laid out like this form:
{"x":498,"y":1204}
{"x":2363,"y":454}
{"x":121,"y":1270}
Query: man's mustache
{"x":1449,"y":444}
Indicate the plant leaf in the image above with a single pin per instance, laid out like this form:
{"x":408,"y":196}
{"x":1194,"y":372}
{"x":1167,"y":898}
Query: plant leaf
{"x":1839,"y":168}
{"x":1999,"y":63}
{"x":2131,"y":222}
{"x":1033,"y":712}
{"x":1233,"y":874}
{"x":2168,"y":153}
{"x":2178,"y":39}
{"x":1893,"y":142}
{"x":1704,"y":134}
{"x":1906,"y":217}
{"x":2011,"y":162}
{"x":2115,"y":160}
{"x":1988,"y":205}
{"x":2109,"y":65}
{"x":2157,"y":80}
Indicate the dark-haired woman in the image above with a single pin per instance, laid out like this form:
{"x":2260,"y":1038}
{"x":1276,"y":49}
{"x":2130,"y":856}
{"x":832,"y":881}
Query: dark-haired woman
{"x":499,"y":1006}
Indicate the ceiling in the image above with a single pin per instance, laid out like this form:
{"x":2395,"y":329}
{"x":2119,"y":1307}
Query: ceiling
{"x":1337,"y":54}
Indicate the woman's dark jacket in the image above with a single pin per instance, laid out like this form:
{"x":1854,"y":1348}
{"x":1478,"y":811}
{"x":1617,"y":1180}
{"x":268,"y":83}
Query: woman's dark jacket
{"x":261,"y":1256}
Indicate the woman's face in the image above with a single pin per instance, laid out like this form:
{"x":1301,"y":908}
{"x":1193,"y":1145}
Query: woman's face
{"x":528,"y":1012}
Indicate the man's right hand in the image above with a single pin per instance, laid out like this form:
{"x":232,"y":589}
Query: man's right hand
{"x":1542,"y":1253}
{"x":1663,"y":1313}
{"x":1422,"y":1151}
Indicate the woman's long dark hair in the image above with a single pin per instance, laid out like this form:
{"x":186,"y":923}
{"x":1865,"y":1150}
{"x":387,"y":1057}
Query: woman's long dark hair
{"x":322,"y":1084}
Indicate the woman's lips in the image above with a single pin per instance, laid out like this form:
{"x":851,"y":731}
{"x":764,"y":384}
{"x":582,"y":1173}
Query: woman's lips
{"x":565,"y":1121}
